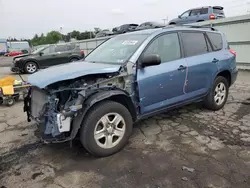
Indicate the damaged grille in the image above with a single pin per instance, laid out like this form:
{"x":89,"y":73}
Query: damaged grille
{"x":38,"y":100}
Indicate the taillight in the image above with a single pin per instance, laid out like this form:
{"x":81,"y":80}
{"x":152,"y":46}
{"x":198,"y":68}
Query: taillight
{"x":232,"y":52}
{"x":211,"y":17}
{"x":81,"y":52}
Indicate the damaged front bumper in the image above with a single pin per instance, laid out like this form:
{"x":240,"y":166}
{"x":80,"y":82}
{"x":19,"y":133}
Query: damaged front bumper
{"x":54,"y":124}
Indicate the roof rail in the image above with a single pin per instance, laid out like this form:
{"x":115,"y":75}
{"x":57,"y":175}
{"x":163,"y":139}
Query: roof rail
{"x":200,"y":26}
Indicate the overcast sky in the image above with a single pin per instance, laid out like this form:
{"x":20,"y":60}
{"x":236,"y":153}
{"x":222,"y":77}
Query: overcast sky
{"x":24,"y":18}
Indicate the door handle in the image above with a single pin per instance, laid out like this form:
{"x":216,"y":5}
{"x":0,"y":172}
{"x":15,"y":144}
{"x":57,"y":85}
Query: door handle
{"x":181,"y":67}
{"x":215,"y":60}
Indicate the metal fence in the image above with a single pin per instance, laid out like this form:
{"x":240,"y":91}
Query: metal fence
{"x":237,"y":31}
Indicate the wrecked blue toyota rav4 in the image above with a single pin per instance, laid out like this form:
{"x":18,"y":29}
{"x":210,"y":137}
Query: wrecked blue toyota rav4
{"x":127,"y":78}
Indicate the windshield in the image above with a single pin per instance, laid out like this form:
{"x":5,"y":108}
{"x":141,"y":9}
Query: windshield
{"x":39,"y":50}
{"x":117,"y":49}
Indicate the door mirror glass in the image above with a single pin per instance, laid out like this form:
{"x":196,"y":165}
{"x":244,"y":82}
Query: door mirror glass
{"x":150,"y":60}
{"x":40,"y":53}
{"x":179,"y":16}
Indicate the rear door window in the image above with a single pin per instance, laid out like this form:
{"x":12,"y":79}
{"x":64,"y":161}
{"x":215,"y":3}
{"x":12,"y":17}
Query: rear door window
{"x":70,"y":47}
{"x":61,"y":48}
{"x":216,"y":40}
{"x":194,"y":43}
{"x":201,"y":11}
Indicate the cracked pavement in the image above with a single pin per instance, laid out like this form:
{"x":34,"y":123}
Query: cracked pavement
{"x":188,"y":147}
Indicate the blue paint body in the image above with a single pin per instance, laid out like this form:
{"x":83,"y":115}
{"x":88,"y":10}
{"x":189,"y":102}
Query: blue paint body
{"x":158,"y":87}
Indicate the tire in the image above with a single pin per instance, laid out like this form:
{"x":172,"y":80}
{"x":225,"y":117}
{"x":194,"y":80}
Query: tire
{"x":30,"y":67}
{"x":217,"y":103}
{"x":99,"y":147}
{"x":10,"y":101}
{"x":74,"y":59}
{"x":172,"y":23}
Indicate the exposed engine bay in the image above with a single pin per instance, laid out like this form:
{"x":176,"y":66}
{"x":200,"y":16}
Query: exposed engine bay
{"x":56,"y":108}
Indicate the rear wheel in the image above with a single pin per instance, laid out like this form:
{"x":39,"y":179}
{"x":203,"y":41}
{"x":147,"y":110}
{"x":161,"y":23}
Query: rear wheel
{"x":106,"y":129}
{"x":217,"y":97}
{"x":74,"y":59}
{"x":30,"y":67}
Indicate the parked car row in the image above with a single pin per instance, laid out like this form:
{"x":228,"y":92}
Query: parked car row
{"x":190,"y":16}
{"x":129,"y":28}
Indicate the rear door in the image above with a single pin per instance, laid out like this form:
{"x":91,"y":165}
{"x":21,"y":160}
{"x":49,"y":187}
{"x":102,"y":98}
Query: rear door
{"x":197,"y":15}
{"x":62,"y":54}
{"x":201,"y":63}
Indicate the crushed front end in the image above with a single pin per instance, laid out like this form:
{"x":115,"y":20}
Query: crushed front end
{"x":59,"y":108}
{"x":53,"y":112}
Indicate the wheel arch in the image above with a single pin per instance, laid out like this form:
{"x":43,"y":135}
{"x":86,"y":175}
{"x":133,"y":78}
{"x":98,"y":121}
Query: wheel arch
{"x":31,"y":60}
{"x":74,"y":57}
{"x":226,"y":74}
{"x":116,"y":95}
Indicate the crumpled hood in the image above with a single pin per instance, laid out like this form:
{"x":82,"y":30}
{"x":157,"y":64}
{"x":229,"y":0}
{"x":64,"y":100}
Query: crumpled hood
{"x":69,"y":71}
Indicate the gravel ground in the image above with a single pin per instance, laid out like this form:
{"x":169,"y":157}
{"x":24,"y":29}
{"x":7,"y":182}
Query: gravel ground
{"x":188,"y":147}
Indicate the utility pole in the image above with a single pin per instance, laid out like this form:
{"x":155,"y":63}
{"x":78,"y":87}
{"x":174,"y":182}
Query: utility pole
{"x":165,"y":20}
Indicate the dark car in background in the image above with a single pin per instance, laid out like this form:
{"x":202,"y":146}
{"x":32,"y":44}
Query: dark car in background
{"x":150,"y":25}
{"x":47,"y":56}
{"x":125,"y":28}
{"x":104,"y":33}
{"x":199,"y":14}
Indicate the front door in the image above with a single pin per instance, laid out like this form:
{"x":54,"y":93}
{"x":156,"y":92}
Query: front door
{"x":48,"y":57}
{"x":183,"y":19}
{"x":161,"y":86}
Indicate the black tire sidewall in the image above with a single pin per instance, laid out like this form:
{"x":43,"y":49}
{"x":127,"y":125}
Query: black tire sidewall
{"x":12,"y":103}
{"x":210,"y":103}
{"x":75,"y":59}
{"x":94,"y":115}
{"x":25,"y":67}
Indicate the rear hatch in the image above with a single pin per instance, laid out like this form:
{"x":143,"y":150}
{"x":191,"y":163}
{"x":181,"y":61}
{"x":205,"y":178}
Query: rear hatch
{"x":218,"y":12}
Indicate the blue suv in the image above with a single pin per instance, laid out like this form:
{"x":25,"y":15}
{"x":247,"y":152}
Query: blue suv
{"x":199,"y":15}
{"x":128,"y":78}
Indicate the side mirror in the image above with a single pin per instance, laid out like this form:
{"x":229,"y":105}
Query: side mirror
{"x":41,"y":53}
{"x":150,"y":60}
{"x":179,"y":16}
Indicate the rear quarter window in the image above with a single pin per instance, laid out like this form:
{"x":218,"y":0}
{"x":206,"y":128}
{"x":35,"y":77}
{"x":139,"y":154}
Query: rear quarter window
{"x":216,"y":41}
{"x":218,"y":11}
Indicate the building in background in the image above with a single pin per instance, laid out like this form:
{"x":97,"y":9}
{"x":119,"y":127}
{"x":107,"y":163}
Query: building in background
{"x":19,"y":46}
{"x":3,"y":46}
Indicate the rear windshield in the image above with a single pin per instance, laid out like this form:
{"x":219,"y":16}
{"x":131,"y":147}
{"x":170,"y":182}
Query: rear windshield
{"x":218,"y":11}
{"x":216,"y":40}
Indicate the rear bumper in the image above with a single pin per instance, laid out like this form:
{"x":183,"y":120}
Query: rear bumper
{"x":234,"y":75}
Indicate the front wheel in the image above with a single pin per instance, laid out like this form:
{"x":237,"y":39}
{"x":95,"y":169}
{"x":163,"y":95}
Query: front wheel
{"x":30,"y":67}
{"x":106,"y":129}
{"x":217,"y":97}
